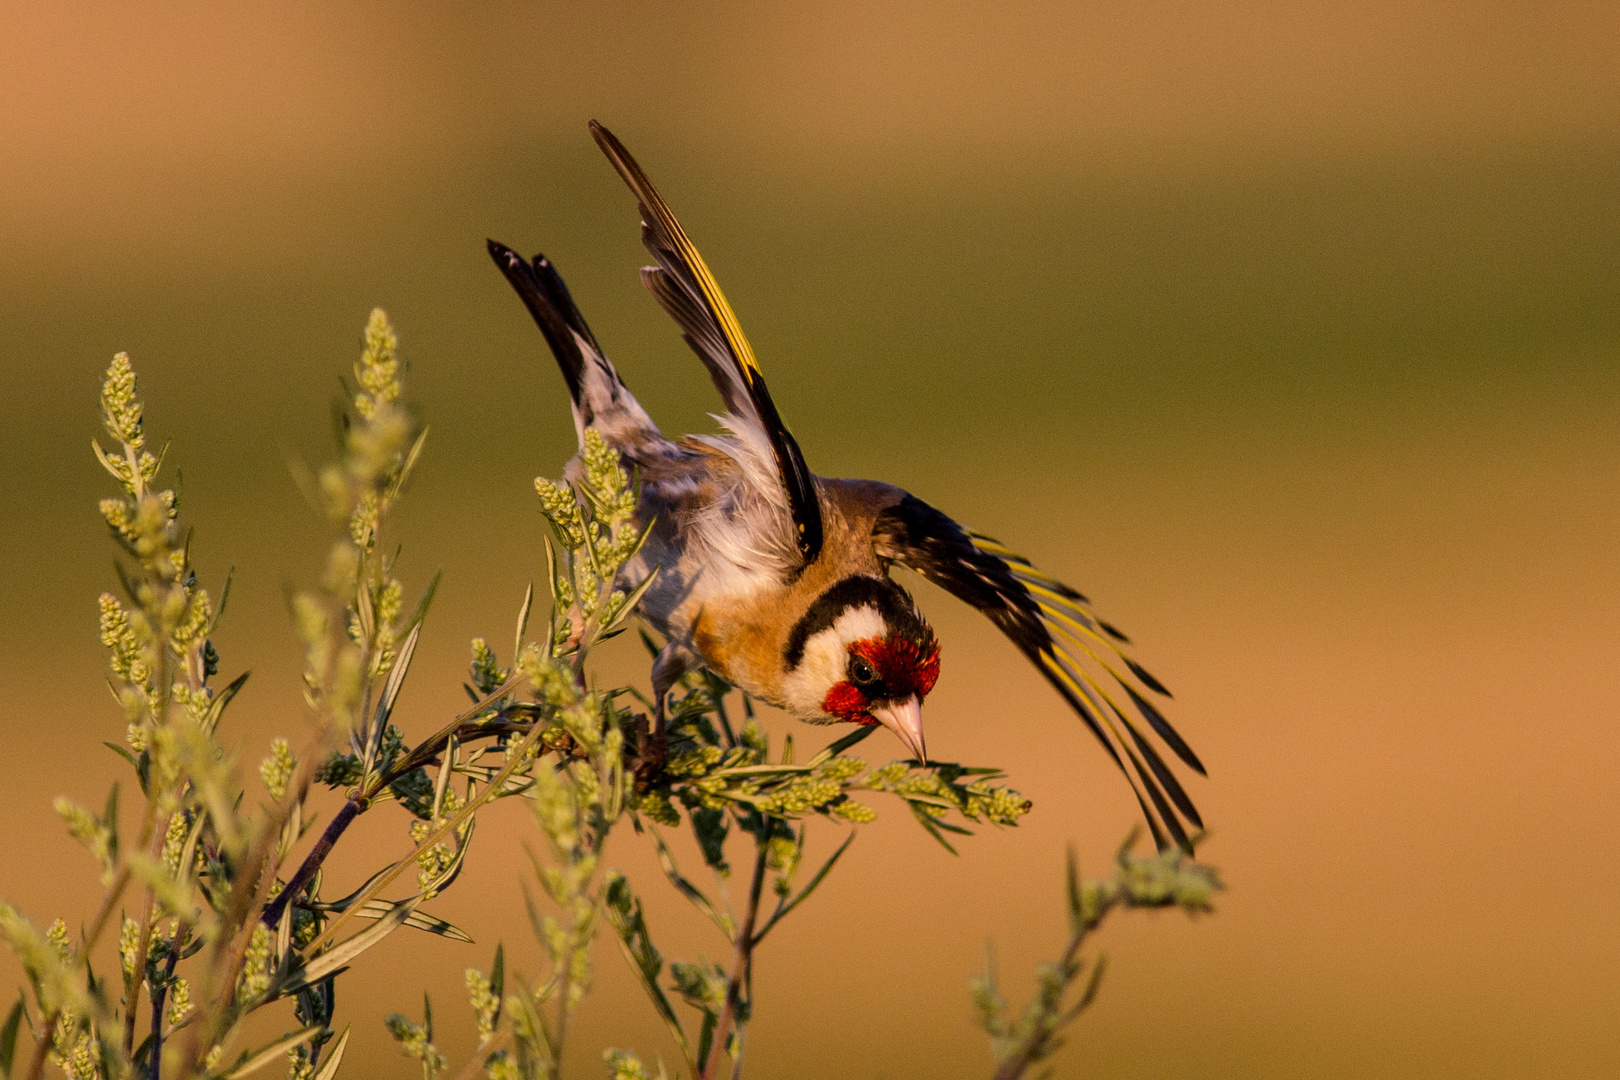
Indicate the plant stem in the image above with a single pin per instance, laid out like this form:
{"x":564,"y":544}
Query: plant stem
{"x":47,"y":1037}
{"x":742,"y":967}
{"x":154,"y":1063}
{"x":312,"y":862}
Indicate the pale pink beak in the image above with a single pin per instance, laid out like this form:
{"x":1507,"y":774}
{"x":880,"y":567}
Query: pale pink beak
{"x":904,"y":718}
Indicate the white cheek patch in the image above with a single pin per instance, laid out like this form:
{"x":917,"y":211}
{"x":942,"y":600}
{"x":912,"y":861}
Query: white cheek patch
{"x":825,"y":662}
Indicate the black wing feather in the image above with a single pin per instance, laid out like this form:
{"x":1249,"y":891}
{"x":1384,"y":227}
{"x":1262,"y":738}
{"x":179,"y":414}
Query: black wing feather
{"x":1048,"y":621}
{"x":1169,"y":734}
{"x":684,"y":287}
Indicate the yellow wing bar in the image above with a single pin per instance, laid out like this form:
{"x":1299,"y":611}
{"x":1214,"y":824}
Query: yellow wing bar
{"x":664,"y":220}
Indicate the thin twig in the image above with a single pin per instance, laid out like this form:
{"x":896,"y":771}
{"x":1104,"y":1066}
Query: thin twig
{"x":1014,"y":1067}
{"x":154,"y":1063}
{"x":361,"y":801}
{"x":47,"y":1038}
{"x":743,"y":963}
{"x":312,"y":862}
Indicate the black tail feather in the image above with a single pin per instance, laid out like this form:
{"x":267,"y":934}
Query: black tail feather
{"x":544,"y":294}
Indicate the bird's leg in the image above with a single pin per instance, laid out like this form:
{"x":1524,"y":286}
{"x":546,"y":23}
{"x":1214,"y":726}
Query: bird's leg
{"x":669,"y":665}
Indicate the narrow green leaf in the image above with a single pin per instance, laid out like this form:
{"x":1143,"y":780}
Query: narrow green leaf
{"x":344,"y":952}
{"x":666,"y":860}
{"x":588,"y":533}
{"x":123,"y":753}
{"x":932,"y":826}
{"x":8,"y":1037}
{"x":523,"y":620}
{"x":536,"y":922}
{"x":365,"y":612}
{"x":139,"y":1057}
{"x":334,"y":1056}
{"x":224,"y":598}
{"x":101,"y":456}
{"x":284,"y":931}
{"x":188,"y":852}
{"x":785,"y":769}
{"x":706,"y":1039}
{"x":217,"y":709}
{"x":533,"y":1019}
{"x":632,"y":599}
{"x":250,"y":1063}
{"x":804,"y":894}
{"x":396,"y":680}
{"x":1089,"y":994}
{"x":653,"y":648}
{"x":109,"y":818}
{"x":929,"y":800}
{"x":418,"y":920}
{"x":497,"y":980}
{"x":411,"y":457}
{"x":419,"y":614}
{"x":550,"y":642}
{"x":433,"y":925}
{"x":343,"y":904}
{"x":842,"y":744}
{"x":447,"y":769}
{"x":1077,"y":921}
{"x":624,"y":913}
{"x":641,"y":540}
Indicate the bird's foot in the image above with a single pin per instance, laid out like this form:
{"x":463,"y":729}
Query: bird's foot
{"x":652,"y":749}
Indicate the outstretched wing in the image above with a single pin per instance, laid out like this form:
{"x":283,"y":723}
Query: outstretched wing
{"x":684,"y":287}
{"x":1055,"y":627}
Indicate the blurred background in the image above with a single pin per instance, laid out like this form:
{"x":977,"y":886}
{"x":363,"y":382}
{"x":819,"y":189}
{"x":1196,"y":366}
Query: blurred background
{"x":1288,"y":332}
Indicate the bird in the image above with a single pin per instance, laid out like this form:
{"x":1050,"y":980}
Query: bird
{"x":778,"y":580}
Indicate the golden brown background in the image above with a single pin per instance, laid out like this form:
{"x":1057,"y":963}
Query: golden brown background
{"x":1290,"y":332}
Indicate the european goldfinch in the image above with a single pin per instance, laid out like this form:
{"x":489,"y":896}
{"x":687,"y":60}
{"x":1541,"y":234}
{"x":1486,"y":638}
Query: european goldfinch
{"x":776,"y":579}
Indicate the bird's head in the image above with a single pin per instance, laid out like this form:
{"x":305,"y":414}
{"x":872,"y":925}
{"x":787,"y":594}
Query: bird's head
{"x":863,"y":654}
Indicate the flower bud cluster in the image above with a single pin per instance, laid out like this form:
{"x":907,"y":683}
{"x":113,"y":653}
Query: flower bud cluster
{"x":416,"y":1042}
{"x":485,"y":1003}
{"x":256,"y":966}
{"x":277,"y":769}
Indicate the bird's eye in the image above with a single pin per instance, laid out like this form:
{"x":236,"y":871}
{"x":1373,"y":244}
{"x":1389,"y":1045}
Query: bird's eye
{"x":861,"y":670}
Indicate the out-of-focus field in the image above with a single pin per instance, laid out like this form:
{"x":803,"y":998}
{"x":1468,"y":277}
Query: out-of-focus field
{"x":1292,"y":337}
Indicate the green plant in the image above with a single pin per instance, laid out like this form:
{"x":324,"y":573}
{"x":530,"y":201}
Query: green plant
{"x":217,"y":915}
